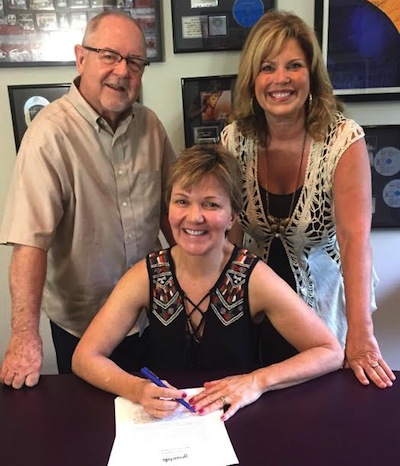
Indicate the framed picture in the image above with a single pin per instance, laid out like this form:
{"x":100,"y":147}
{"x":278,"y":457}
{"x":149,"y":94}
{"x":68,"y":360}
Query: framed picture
{"x":360,"y":41}
{"x":44,"y":32}
{"x":207,"y":103}
{"x":383,"y":143}
{"x":201,"y":25}
{"x":27,"y":100}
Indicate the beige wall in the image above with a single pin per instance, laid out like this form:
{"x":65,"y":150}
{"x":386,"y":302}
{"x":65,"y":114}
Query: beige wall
{"x":162,"y":93}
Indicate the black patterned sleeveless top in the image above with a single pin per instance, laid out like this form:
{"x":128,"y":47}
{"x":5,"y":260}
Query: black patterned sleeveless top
{"x":229,"y":338}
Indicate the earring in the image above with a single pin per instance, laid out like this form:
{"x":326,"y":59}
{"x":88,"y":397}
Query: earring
{"x":309,"y":100}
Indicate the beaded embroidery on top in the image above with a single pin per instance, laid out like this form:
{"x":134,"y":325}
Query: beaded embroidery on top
{"x":226,"y":297}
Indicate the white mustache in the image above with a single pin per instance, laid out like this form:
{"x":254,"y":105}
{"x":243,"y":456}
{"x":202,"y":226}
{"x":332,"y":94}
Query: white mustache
{"x":119,"y":83}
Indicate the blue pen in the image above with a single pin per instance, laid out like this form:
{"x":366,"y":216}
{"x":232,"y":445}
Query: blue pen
{"x":151,"y":376}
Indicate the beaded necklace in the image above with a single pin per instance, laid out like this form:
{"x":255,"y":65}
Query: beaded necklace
{"x":279,"y":225}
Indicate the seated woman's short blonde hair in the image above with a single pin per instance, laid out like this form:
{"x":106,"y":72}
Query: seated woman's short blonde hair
{"x":199,"y":161}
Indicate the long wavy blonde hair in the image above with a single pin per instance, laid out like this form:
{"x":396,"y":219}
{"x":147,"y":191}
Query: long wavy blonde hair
{"x":266,"y":39}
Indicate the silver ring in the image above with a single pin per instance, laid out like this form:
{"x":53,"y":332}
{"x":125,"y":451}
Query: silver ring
{"x":375,"y":364}
{"x":223,"y":399}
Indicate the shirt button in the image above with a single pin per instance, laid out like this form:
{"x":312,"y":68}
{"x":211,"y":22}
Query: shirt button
{"x":129,"y":235}
{"x":120,"y":172}
{"x":124,"y":204}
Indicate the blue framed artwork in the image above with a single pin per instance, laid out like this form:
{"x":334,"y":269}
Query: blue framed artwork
{"x":360,"y":41}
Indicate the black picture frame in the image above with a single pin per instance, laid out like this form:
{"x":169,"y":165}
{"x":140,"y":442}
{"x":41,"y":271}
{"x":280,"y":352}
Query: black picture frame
{"x":214,"y":25}
{"x":44,"y":32}
{"x":361,"y":47}
{"x":383,"y":143}
{"x":27,"y":100}
{"x":202,"y":122}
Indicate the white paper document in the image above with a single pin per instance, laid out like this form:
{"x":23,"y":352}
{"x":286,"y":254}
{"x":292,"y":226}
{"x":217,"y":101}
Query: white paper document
{"x":185,"y":439}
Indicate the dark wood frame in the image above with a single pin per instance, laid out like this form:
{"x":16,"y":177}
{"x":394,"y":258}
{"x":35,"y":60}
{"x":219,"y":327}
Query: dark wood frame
{"x":347,"y":30}
{"x":21,"y":95}
{"x":383,"y":143}
{"x":201,"y":126}
{"x":218,"y":25}
{"x":44,"y":32}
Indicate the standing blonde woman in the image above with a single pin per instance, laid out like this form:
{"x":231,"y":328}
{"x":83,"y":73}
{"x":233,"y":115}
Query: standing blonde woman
{"x":307,"y":188}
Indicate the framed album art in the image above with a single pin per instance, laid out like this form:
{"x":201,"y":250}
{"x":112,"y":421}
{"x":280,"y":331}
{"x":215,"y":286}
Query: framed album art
{"x":27,"y":100}
{"x":207,"y":103}
{"x":44,"y":32}
{"x":383,"y":143}
{"x":360,"y":42}
{"x":203,"y":25}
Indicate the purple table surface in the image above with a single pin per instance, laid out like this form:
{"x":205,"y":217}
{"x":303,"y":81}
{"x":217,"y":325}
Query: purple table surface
{"x":329,"y":421}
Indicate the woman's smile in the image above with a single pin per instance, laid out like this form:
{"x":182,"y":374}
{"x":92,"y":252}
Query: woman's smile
{"x":200,"y":216}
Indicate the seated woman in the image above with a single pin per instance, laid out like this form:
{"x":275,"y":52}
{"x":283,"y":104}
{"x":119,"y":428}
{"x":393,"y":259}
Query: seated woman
{"x":204,"y":298}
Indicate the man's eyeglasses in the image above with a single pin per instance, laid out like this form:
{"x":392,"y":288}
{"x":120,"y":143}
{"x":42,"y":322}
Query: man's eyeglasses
{"x":110,"y":58}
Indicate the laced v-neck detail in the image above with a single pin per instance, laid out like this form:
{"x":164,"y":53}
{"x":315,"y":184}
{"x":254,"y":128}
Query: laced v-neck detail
{"x":224,"y":337}
{"x":196,"y":331}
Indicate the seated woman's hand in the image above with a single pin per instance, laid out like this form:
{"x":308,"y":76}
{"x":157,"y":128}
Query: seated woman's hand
{"x":157,"y":401}
{"x":231,"y":393}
